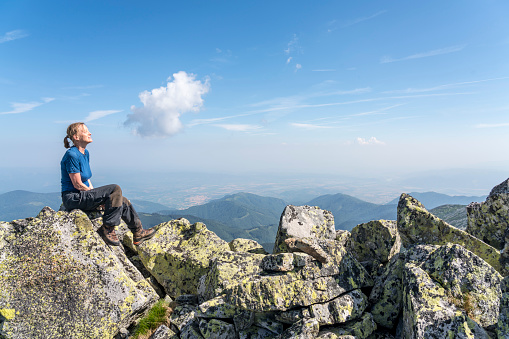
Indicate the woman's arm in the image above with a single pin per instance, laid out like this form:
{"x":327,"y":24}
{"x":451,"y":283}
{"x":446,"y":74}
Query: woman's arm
{"x":76,"y":182}
{"x":90,"y":184}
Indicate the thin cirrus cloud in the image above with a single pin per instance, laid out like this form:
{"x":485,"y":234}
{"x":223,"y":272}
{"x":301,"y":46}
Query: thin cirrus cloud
{"x":359,"y":20}
{"x":446,"y":50}
{"x":99,"y":114}
{"x":308,"y":126}
{"x":239,"y":127}
{"x":22,"y":107}
{"x":13,"y":35}
{"x":162,"y":107}
{"x":442,"y":87}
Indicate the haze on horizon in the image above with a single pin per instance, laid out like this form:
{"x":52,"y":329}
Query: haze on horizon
{"x":376,"y":90}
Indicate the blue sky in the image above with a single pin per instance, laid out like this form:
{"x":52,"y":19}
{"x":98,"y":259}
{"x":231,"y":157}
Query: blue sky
{"x":360,"y":88}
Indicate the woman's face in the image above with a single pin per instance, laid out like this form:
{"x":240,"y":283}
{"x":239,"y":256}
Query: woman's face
{"x":83,"y":135}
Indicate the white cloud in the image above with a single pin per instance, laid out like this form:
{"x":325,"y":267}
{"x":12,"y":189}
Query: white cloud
{"x":293,"y":45}
{"x":323,"y":70}
{"x":239,"y":127}
{"x":99,"y":114}
{"x":288,"y":60}
{"x":163,"y":106}
{"x":446,"y":50}
{"x":22,"y":107}
{"x":298,"y":66}
{"x":370,"y":141}
{"x":504,"y":124}
{"x":308,"y":126}
{"x":13,"y":35}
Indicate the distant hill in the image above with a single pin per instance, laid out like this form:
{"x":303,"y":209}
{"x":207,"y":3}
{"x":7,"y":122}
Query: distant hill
{"x":241,"y":210}
{"x":23,"y":204}
{"x":349,"y":211}
{"x":432,"y":199}
{"x":455,"y":215}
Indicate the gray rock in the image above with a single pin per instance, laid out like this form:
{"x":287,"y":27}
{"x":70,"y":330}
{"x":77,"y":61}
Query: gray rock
{"x":346,"y":307}
{"x":503,"y":320}
{"x":293,"y":316}
{"x":256,"y":332}
{"x":187,"y":299}
{"x":359,"y":329}
{"x":163,"y":332}
{"x":216,"y":329}
{"x":281,"y":262}
{"x":268,"y":322}
{"x":182,"y":316}
{"x":304,"y":222}
{"x":427,"y":312}
{"x":303,"y":329}
{"x":59,"y":279}
{"x":246,"y":245}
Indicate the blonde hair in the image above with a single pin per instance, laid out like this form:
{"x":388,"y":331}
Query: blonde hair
{"x":72,"y":130}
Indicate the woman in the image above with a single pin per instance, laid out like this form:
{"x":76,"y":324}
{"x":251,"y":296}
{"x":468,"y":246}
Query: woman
{"x":78,"y":192}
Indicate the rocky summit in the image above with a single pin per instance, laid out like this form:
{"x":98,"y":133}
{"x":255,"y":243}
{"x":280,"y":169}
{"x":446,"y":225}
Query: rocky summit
{"x":414,"y":277}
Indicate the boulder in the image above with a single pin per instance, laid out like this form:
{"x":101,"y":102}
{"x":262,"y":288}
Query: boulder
{"x":421,"y":227}
{"x":179,"y":254}
{"x":303,"y":329}
{"x":374,"y":243}
{"x":359,"y":329}
{"x":228,"y":268}
{"x":60,"y":280}
{"x":246,"y":245}
{"x":503,"y":320}
{"x":346,"y":307}
{"x":163,"y":332}
{"x":428,"y":313}
{"x":218,"y":308}
{"x":281,"y":262}
{"x":304,"y":222}
{"x":256,"y":332}
{"x":387,"y":294}
{"x":216,"y":329}
{"x":468,"y":281}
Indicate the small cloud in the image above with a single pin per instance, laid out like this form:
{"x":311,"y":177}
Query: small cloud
{"x":446,"y":50}
{"x":238,"y":127}
{"x":297,"y":67}
{"x":22,"y":107}
{"x":370,"y":141}
{"x":288,"y":60}
{"x":84,"y":87}
{"x":504,"y":124}
{"x":99,"y":114}
{"x":308,"y":126}
{"x":13,"y":35}
{"x":293,"y":45}
{"x":162,"y":107}
{"x":218,"y":50}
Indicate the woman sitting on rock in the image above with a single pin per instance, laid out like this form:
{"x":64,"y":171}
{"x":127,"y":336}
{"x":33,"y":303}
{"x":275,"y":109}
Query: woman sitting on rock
{"x":78,"y":192}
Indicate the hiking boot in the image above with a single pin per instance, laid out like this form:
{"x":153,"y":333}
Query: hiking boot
{"x":109,"y":235}
{"x":141,"y":235}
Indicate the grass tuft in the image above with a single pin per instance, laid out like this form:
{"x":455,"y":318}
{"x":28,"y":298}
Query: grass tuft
{"x":157,"y":316}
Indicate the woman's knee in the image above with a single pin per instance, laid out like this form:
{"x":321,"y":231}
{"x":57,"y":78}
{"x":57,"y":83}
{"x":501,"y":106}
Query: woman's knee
{"x":116,"y":196}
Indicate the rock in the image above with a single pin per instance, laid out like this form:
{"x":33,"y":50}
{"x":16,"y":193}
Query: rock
{"x":303,"y":329}
{"x":187,"y":299}
{"x":163,"y":332}
{"x":293,"y":316}
{"x":179,"y":254}
{"x":59,"y":279}
{"x":387,"y":294}
{"x":427,"y":313}
{"x":282,"y":262}
{"x":346,"y":307}
{"x":421,"y":227}
{"x":182,"y":316}
{"x":256,"y":332}
{"x":342,"y":236}
{"x":489,"y":220}
{"x":503,"y":320}
{"x":228,"y":268}
{"x":468,"y":281}
{"x":191,"y":331}
{"x":218,"y":308}
{"x":268,"y":322}
{"x":216,"y":329}
{"x":358,"y":329}
{"x":246,"y":245}
{"x":303,"y":222}
{"x":374,"y":243}
{"x":309,"y":246}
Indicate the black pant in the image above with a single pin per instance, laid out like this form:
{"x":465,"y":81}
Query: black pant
{"x":115,"y":205}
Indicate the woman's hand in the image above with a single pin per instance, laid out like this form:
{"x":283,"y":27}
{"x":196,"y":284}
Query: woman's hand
{"x":77,"y":183}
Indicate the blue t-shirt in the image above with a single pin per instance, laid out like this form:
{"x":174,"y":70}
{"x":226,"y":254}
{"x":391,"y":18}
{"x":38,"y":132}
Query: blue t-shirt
{"x":74,"y":161}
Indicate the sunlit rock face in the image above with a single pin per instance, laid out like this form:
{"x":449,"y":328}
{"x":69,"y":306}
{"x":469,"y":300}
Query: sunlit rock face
{"x":60,"y":280}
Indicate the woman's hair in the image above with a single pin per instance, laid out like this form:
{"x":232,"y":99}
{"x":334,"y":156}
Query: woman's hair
{"x":72,"y":130}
